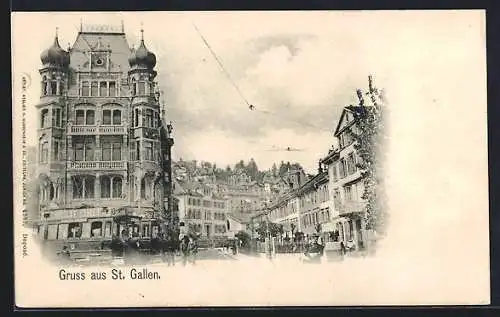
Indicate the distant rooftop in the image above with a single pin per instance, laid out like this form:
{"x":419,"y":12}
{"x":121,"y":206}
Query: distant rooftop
{"x":102,"y":28}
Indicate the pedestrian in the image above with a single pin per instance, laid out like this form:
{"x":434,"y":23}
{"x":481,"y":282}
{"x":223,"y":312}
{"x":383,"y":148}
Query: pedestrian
{"x":169,"y":250}
{"x":193,"y":250}
{"x":184,"y":247}
{"x":65,"y":254}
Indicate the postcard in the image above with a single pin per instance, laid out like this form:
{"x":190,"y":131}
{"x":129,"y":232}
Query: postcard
{"x":192,"y":159}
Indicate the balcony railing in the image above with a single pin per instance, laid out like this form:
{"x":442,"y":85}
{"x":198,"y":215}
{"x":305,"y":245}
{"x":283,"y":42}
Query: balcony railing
{"x":91,"y":165}
{"x":112,"y":129}
{"x":85,"y":130}
{"x":352,"y":207}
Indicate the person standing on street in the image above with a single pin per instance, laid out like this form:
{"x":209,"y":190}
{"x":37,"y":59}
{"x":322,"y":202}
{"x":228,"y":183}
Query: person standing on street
{"x":193,"y":250}
{"x":169,"y":249}
{"x":184,"y":246}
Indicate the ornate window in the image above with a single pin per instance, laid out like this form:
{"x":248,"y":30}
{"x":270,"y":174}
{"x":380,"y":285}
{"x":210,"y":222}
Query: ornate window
{"x":54,"y":87}
{"x":56,"y":117}
{"x":57,"y":143}
{"x":141,"y":88}
{"x":44,"y":152}
{"x":103,"y":89}
{"x":112,"y":89}
{"x":85,"y":89}
{"x":111,"y":187}
{"x":111,"y":149}
{"x":84,"y":148}
{"x":45,"y":86}
{"x":148,"y":151}
{"x":83,"y":187}
{"x":44,"y":118}
{"x":84,"y":117}
{"x":94,"y":88}
{"x":134,"y":87}
{"x":147,"y":188}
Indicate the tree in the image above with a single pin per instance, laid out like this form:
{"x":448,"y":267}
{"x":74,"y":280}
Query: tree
{"x":369,"y":145}
{"x":244,"y":237}
{"x":318,"y":228}
{"x":240,"y":165}
{"x":252,"y":170}
{"x":274,"y":170}
{"x":282,"y":169}
{"x":267,"y":227}
{"x":281,"y":230}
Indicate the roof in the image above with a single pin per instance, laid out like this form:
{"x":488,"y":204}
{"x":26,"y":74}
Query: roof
{"x":116,"y":42}
{"x":330,"y":156}
{"x":240,"y":217}
{"x":348,"y":109}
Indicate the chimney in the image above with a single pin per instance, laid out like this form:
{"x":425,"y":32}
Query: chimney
{"x":320,"y":167}
{"x":360,"y":97}
{"x":370,"y":84}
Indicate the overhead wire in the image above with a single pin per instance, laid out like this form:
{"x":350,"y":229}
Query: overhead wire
{"x":220,"y":64}
{"x":251,"y":106}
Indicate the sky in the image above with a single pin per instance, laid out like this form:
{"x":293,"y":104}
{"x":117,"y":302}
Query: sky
{"x":298,"y":69}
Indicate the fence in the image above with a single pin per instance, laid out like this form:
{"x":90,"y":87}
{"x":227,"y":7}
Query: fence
{"x":290,"y":247}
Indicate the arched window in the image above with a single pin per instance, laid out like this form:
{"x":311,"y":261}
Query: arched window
{"x":84,"y":117}
{"x":117,"y":187}
{"x":44,"y":151}
{"x":105,"y":187}
{"x":51,"y":191}
{"x":117,"y":117}
{"x":44,"y":86}
{"x":111,"y":187}
{"x":134,"y":87}
{"x":136,"y":117}
{"x":143,"y":188}
{"x":53,"y":87}
{"x":146,"y":188}
{"x":83,"y":187}
{"x":141,"y":88}
{"x":90,"y":117}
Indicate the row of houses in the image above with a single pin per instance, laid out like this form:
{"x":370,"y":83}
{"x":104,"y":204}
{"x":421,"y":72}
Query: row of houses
{"x":217,"y":210}
{"x":331,"y":202}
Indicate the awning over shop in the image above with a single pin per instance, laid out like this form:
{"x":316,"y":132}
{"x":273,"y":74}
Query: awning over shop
{"x":329,"y":226}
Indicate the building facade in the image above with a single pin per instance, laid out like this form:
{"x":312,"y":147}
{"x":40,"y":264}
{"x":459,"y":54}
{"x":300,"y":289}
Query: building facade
{"x":314,"y":206}
{"x":102,"y":140}
{"x":201,"y":211}
{"x":346,"y":179}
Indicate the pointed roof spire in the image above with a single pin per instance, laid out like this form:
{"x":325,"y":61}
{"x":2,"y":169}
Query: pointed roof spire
{"x":81,"y":25}
{"x":123,"y":27}
{"x":142,"y":32}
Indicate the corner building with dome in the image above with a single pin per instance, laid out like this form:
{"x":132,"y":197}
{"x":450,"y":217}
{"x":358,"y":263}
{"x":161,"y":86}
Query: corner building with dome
{"x":104,"y":147}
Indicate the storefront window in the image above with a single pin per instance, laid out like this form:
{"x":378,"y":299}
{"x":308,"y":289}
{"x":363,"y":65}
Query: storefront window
{"x":96,"y":229}
{"x":62,"y":231}
{"x":52,"y":232}
{"x":107,"y":229}
{"x":74,"y":230}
